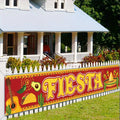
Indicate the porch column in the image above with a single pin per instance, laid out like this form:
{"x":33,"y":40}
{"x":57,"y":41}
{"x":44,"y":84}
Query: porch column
{"x":20,"y":48}
{"x":90,"y":42}
{"x":59,"y":4}
{"x":58,"y":42}
{"x":1,"y":44}
{"x":40,"y":44}
{"x":74,"y":45}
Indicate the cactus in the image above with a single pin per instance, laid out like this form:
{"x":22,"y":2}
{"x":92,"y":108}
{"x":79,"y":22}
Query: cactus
{"x":40,"y":100}
{"x":117,"y":82}
{"x":8,"y":109}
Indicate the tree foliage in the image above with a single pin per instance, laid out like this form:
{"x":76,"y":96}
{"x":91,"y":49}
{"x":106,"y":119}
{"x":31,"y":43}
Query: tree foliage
{"x":107,"y":13}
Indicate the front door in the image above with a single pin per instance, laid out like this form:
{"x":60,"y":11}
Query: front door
{"x":48,"y":43}
{"x":30,"y":45}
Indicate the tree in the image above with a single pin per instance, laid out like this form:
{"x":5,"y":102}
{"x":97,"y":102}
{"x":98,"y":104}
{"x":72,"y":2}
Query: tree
{"x":106,"y":12}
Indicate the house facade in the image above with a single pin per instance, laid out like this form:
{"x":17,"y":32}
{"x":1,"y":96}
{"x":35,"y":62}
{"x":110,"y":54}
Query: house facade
{"x":27,"y":25}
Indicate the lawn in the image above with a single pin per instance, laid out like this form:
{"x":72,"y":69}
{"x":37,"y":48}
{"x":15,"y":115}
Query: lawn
{"x":102,"y":108}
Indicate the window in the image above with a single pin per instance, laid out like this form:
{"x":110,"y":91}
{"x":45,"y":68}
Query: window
{"x":82,"y":39}
{"x":10,"y":44}
{"x":66,"y":40}
{"x":55,"y":5}
{"x":7,"y":2}
{"x":10,"y":39}
{"x":15,"y":2}
{"x":62,"y":5}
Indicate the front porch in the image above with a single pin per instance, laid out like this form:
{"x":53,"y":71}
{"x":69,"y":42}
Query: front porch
{"x":31,"y":45}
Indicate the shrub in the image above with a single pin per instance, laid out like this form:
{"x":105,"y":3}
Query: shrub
{"x":104,"y":55}
{"x":57,"y":61}
{"x":108,"y":57}
{"x":92,"y":59}
{"x":115,"y":55}
{"x":12,"y":63}
{"x":35,"y":64}
{"x":18,"y":65}
{"x":26,"y":63}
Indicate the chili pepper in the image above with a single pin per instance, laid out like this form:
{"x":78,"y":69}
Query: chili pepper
{"x":22,"y":89}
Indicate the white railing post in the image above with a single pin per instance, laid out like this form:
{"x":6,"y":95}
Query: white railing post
{"x":15,"y":71}
{"x":40,"y":69}
{"x":26,"y":70}
{"x":21,"y":70}
{"x":106,"y":63}
{"x":53,"y":67}
{"x":114,"y":61}
{"x":35,"y":69}
{"x":63,"y":66}
{"x":48,"y":67}
{"x":96,"y":64}
{"x":88,"y":64}
{"x":80,"y":65}
{"x":99,"y":64}
{"x":2,"y":89}
{"x":91,"y":64}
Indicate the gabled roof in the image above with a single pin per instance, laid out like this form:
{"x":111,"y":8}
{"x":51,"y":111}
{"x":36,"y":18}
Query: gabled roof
{"x":39,"y":20}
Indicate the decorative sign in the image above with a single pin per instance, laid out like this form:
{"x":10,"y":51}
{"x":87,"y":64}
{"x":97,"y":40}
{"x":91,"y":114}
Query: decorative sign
{"x":28,"y":91}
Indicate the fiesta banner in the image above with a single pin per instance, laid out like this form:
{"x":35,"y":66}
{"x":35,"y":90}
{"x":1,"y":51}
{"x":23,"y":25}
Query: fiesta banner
{"x":28,"y":91}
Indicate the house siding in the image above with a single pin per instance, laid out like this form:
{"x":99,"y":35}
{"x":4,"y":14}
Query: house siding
{"x":2,"y":4}
{"x":45,"y":4}
{"x":49,"y":5}
{"x":23,"y":4}
{"x":69,"y":6}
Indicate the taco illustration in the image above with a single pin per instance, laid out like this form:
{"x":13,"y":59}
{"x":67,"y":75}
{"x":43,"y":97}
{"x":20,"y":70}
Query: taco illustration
{"x":28,"y":98}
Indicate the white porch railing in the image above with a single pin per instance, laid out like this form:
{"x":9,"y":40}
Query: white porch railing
{"x":70,"y":56}
{"x":6,"y":57}
{"x":81,"y":55}
{"x":32,"y":57}
{"x":64,"y":67}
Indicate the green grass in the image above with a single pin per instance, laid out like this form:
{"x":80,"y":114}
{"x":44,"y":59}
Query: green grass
{"x":102,"y":108}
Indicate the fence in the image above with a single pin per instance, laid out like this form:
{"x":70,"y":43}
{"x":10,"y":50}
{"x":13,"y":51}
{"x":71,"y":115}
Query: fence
{"x":55,"y":87}
{"x":64,"y":67}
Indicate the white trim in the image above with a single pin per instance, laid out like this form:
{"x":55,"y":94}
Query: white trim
{"x":40,"y":44}
{"x":90,"y":42}
{"x":58,"y":42}
{"x":20,"y":47}
{"x":1,"y":44}
{"x":74,"y":45}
